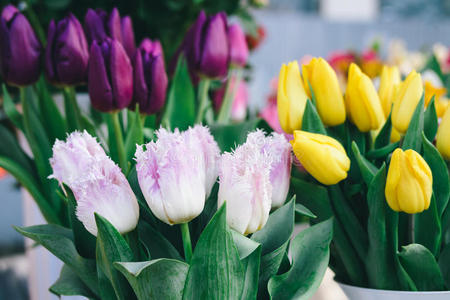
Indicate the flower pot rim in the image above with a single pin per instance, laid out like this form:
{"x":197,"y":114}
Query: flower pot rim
{"x":394,"y":291}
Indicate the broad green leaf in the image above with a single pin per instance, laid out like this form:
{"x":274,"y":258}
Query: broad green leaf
{"x":9,"y":147}
{"x":311,"y":121}
{"x":59,"y":241}
{"x":156,"y":279}
{"x":270,"y":264}
{"x":422,"y":267}
{"x":112,"y":247}
{"x":157,"y":245}
{"x":230,"y":136}
{"x":69,"y":284}
{"x":134,"y":136}
{"x":215,"y":264}
{"x":430,"y":125}
{"x":444,"y":264}
{"x":244,"y":245}
{"x":302,"y":210}
{"x":113,"y":153}
{"x":368,"y":170}
{"x":435,"y":66}
{"x":71,"y":109}
{"x":413,"y":137}
{"x":383,"y":151}
{"x":180,"y":105}
{"x":10,"y":109}
{"x":427,"y":228}
{"x":310,"y":254}
{"x":383,"y":138}
{"x":441,"y":180}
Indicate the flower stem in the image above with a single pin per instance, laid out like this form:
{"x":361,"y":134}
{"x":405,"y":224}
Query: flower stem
{"x":72,"y":110}
{"x":187,"y":245}
{"x":203,"y":88}
{"x":411,"y":228}
{"x":228,"y":97}
{"x":119,"y":142}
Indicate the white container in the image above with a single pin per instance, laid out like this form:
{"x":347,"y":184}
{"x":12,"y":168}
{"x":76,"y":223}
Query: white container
{"x":358,"y":293}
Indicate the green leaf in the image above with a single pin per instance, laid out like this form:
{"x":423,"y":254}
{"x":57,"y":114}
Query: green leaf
{"x":427,"y":228}
{"x":112,"y":247}
{"x":180,"y":105}
{"x":380,"y":262}
{"x":311,"y":253}
{"x":215,"y":264}
{"x":434,"y":65}
{"x":134,"y":136}
{"x":441,"y":180}
{"x":444,"y":264}
{"x":9,"y":147}
{"x":59,"y":241}
{"x":383,"y":151}
{"x":156,"y":279}
{"x":384,"y":136}
{"x":230,"y":136}
{"x":311,"y":121}
{"x":422,"y":267}
{"x":302,"y":210}
{"x":368,"y":170}
{"x":10,"y":109}
{"x":413,"y":137}
{"x":430,"y":125}
{"x":157,"y":245}
{"x":69,"y":284}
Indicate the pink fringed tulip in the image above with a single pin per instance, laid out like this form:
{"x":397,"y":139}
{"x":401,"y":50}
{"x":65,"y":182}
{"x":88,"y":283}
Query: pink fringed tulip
{"x":96,"y":181}
{"x":244,"y":178}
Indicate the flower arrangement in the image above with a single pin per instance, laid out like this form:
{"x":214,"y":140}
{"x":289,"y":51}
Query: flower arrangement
{"x":142,"y":200}
{"x":372,"y":164}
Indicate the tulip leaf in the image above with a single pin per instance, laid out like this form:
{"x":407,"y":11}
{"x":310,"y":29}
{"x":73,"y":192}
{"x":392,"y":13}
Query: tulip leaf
{"x":215,"y":263}
{"x":230,"y":136}
{"x":383,"y":151}
{"x":10,"y":109}
{"x":112,"y":247}
{"x":368,"y":170}
{"x":383,"y":138}
{"x":156,"y":243}
{"x":444,"y":264}
{"x":302,"y":210}
{"x":430,"y":125}
{"x":59,"y":241}
{"x":69,"y":284}
{"x":413,"y":137}
{"x":134,"y":136}
{"x":156,"y":279}
{"x":441,"y":180}
{"x":180,"y":107}
{"x":310,"y":254}
{"x":311,"y":121}
{"x":422,"y":267}
{"x":427,"y":228}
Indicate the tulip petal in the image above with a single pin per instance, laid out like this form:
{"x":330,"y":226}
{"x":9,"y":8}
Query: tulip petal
{"x":121,"y":76}
{"x":99,"y":87}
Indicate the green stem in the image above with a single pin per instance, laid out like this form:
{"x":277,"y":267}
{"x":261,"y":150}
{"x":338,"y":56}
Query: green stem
{"x":73,"y":113}
{"x":119,"y":142}
{"x":229,"y":95}
{"x":187,"y":245}
{"x":203,"y":99}
{"x":411,"y":228}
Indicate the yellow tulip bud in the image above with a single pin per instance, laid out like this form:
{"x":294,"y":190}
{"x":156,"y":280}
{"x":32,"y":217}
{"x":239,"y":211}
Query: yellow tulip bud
{"x":409,"y":182}
{"x":322,"y":156}
{"x":323,"y":80}
{"x":431,"y":90}
{"x":291,"y":99}
{"x":390,"y":77}
{"x":362,"y":102}
{"x":406,"y":99}
{"x":443,"y":135}
{"x":441,"y":106}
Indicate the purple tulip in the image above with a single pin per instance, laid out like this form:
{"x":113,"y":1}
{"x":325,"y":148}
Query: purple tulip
{"x":150,"y":78}
{"x":99,"y":25}
{"x":238,"y":45}
{"x":206,"y":46}
{"x":67,"y":54}
{"x":128,"y":35}
{"x":110,"y":76}
{"x":20,"y":49}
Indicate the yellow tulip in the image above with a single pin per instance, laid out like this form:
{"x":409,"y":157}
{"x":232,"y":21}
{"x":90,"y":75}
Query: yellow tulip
{"x":406,"y":99}
{"x":441,"y":106}
{"x":322,"y":156}
{"x":431,"y":90}
{"x":409,"y":182}
{"x":443,"y":135}
{"x":390,"y":77}
{"x":362,"y":102}
{"x":325,"y":86}
{"x":291,"y":99}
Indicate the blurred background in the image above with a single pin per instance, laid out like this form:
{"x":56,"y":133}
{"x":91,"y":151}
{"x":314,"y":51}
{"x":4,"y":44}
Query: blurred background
{"x":278,"y":31}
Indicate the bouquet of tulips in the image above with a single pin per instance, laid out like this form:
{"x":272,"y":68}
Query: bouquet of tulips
{"x":131,"y":195}
{"x":374,"y":161}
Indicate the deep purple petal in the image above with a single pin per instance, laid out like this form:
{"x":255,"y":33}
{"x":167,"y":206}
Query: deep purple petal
{"x":193,"y":40}
{"x":121,"y":75}
{"x":159,"y":85}
{"x":99,"y":87}
{"x":128,"y":36}
{"x":114,"y":26}
{"x":140,"y":86}
{"x":94,"y":24}
{"x":49,"y":67}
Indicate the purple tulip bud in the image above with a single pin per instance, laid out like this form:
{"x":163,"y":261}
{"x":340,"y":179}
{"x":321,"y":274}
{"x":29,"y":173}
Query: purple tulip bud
{"x":150,"y":78}
{"x":110,"y":76}
{"x":99,"y":25}
{"x":128,"y":35}
{"x":20,"y":49}
{"x":67,"y":54}
{"x":206,"y":45}
{"x":238,"y":45}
